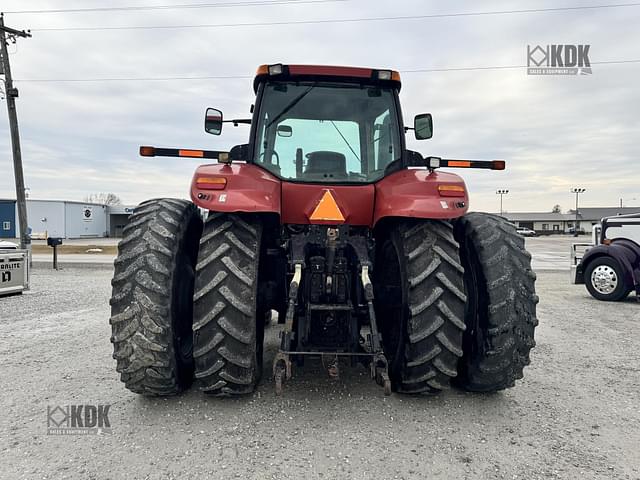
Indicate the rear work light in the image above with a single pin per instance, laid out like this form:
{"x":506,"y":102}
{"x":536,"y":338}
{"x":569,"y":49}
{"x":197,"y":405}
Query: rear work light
{"x":211,"y":183}
{"x":451,"y":190}
{"x":388,"y":75}
{"x":275,"y":69}
{"x":434,"y":162}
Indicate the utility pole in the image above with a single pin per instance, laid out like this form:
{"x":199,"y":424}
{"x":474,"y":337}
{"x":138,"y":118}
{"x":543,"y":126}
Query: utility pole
{"x":577,"y":191}
{"x":501,"y":193}
{"x":11,"y":94}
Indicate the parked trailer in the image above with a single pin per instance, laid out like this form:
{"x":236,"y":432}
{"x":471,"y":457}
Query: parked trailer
{"x":610,"y":265}
{"x":14,"y":270}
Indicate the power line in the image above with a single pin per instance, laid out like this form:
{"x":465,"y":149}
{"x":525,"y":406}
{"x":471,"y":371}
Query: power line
{"x":339,"y":20}
{"x":134,"y":79}
{"x":241,"y":77}
{"x":176,"y":6}
{"x":504,"y":67}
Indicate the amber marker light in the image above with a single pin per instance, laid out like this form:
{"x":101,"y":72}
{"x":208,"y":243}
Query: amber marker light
{"x":147,"y":151}
{"x":211,"y":183}
{"x":191,"y":153}
{"x":498,"y":165}
{"x":451,"y":190}
{"x":459,"y":163}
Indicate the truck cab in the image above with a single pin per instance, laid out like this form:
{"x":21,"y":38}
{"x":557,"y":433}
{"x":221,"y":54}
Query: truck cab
{"x":610,"y":265}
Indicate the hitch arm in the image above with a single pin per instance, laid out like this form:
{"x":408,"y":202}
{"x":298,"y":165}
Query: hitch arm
{"x":282,"y":362}
{"x":293,"y":296}
{"x":379,"y":365}
{"x":368,"y":295}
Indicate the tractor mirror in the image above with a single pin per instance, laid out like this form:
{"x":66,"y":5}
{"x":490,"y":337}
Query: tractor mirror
{"x":213,"y":121}
{"x":423,"y":126}
{"x":284,"y":131}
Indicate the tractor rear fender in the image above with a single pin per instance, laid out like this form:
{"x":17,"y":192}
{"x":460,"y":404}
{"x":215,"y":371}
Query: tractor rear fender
{"x":625,"y":252}
{"x":236,"y":187}
{"x":419,"y":193}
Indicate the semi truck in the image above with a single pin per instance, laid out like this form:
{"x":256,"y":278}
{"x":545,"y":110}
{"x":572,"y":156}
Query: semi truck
{"x":609,"y":266}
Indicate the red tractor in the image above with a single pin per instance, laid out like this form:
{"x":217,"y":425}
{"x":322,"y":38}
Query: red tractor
{"x":363,"y":248}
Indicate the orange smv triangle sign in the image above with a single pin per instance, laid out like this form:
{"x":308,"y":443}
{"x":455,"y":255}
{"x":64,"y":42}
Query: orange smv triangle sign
{"x":327,"y":209}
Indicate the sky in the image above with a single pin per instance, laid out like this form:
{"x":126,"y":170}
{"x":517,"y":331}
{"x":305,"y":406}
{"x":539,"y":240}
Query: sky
{"x":555,"y":132}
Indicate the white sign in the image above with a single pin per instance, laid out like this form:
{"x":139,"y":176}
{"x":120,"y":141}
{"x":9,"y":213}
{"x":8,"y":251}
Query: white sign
{"x":87,"y":214}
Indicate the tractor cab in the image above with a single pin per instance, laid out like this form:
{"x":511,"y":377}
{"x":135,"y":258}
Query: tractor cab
{"x":327,"y":131}
{"x":337,"y":125}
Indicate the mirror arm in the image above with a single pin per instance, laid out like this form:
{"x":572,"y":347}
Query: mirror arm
{"x":237,"y":121}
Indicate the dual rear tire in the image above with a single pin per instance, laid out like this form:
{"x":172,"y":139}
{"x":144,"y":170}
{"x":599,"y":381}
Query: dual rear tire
{"x":456,"y":303}
{"x":184,"y":301}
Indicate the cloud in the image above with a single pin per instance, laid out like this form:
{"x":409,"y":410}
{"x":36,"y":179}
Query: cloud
{"x":554,"y":132}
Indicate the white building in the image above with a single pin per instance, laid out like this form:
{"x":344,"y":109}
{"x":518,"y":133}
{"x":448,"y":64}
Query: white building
{"x":65,"y":219}
{"x":117,"y":219}
{"x":550,"y":223}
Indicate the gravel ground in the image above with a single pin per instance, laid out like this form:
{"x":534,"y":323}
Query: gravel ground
{"x":576,"y":414}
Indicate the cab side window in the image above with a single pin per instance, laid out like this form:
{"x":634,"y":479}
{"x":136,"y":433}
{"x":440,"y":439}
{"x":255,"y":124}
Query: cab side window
{"x":383,"y":141}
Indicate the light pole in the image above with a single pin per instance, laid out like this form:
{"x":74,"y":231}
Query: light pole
{"x":501,"y":192}
{"x":577,"y":191}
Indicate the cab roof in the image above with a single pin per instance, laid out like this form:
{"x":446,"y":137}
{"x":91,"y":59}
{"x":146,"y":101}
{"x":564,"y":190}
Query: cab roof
{"x":280,"y":71}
